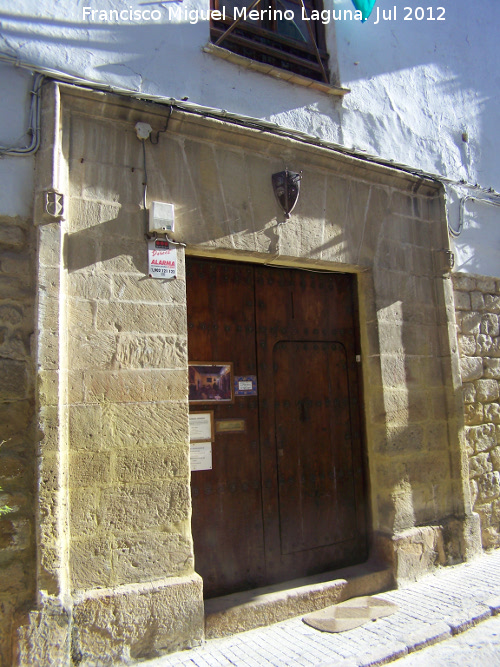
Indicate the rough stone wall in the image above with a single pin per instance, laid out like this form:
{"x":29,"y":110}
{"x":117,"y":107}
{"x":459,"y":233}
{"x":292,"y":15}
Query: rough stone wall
{"x":17,"y":450}
{"x":477,"y":302}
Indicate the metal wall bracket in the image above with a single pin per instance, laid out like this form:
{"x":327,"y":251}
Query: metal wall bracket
{"x":447,"y":260}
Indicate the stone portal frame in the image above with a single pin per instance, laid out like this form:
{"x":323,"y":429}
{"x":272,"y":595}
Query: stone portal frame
{"x":115,"y":552}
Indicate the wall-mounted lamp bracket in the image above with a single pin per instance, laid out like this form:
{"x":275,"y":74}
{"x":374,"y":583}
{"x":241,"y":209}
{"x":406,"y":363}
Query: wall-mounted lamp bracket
{"x":447,"y":260}
{"x":286,"y":186}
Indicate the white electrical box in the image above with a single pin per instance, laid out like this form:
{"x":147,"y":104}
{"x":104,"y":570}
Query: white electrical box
{"x":161,"y":217}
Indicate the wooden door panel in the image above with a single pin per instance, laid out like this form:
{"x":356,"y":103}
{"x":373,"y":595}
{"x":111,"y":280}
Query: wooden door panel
{"x":316,"y":496}
{"x":313,"y":491}
{"x":227,"y":501}
{"x":286,"y":498}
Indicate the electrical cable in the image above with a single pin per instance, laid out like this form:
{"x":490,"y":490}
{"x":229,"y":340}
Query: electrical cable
{"x":481,"y":200}
{"x":33,"y":130}
{"x":145,"y":181}
{"x":145,"y":186}
{"x":243,"y":121}
{"x":225,"y":116}
{"x":155,"y":143}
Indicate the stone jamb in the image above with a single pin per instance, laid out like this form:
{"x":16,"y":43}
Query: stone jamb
{"x":45,"y":638}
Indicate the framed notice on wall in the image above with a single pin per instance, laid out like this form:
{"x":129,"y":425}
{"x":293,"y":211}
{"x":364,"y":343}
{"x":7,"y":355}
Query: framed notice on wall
{"x":201,"y":436}
{"x":162,"y":259}
{"x":200,"y":457}
{"x":201,"y":426}
{"x":211,"y":382}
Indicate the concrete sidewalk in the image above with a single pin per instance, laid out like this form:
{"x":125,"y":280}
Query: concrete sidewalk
{"x":431,"y":610}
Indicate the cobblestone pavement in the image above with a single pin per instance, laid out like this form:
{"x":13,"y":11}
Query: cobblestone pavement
{"x":446,"y":603}
{"x":479,"y":647}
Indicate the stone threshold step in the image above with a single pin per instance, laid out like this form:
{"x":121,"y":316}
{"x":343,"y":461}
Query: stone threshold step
{"x":243,"y":611}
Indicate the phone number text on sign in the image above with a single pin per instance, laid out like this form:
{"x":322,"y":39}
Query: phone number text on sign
{"x":162,"y":260}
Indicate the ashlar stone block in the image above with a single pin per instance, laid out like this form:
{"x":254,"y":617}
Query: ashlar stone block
{"x":485,"y":284}
{"x":400,"y":440}
{"x":141,"y":318}
{"x":495,"y":458}
{"x":85,"y":213}
{"x":85,"y":427}
{"x":149,"y":506}
{"x":436,"y":433}
{"x":463,"y":281}
{"x":112,"y":626}
{"x":492,"y":303}
{"x":83,"y":505}
{"x":492,"y":413}
{"x":490,"y":324}
{"x":488,"y":486}
{"x":469,"y":392}
{"x":467,"y":345}
{"x":145,"y":557}
{"x":477,"y":301}
{"x":138,"y":425}
{"x":480,"y":465}
{"x":91,"y":349}
{"x":152,"y":464}
{"x":481,"y":438}
{"x":487,"y":390}
{"x":142,"y":289}
{"x":491,"y":368}
{"x":130,"y":386}
{"x":469,"y":323}
{"x":90,"y":563}
{"x":471,"y":368}
{"x":89,"y":468}
{"x":473,"y":413}
{"x":485,"y":345}
{"x":89,"y":285}
{"x":463,"y":301}
{"x":155,"y":351}
{"x":12,"y":235}
{"x":417,"y":552}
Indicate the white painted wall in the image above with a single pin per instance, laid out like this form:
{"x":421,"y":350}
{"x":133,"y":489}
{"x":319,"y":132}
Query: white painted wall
{"x":416,"y":88}
{"x":16,"y":174}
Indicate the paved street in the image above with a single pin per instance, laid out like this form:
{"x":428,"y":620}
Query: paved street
{"x":477,"y":647}
{"x":432,"y":610}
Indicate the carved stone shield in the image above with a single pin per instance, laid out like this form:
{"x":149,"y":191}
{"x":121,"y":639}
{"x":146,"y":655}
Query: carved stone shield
{"x":286,"y":185}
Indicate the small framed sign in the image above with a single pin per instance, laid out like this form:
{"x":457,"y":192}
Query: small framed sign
{"x":230,"y":426}
{"x":211,"y":382}
{"x":201,"y":426}
{"x":162,"y":259}
{"x":245,"y":385}
{"x":201,"y":456}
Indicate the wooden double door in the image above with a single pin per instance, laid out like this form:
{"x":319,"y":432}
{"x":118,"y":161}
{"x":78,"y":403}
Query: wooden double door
{"x":286,"y":493}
